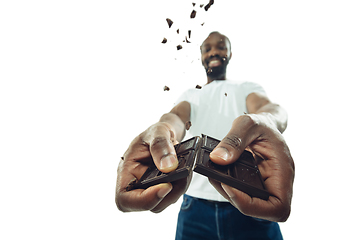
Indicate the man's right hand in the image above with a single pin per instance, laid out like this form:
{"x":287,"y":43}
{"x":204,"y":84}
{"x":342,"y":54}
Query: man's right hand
{"x":157,"y":142}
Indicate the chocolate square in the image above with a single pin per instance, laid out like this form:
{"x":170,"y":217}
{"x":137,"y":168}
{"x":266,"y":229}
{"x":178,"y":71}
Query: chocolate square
{"x":243,"y":175}
{"x":186,"y":154}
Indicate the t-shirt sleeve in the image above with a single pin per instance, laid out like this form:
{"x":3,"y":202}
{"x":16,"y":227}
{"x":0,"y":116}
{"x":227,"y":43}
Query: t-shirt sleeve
{"x":251,"y":87}
{"x":183,"y":97}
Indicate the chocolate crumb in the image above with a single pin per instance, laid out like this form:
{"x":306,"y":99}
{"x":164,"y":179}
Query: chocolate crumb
{"x":122,"y":158}
{"x":187,"y":125}
{"x":131,"y":184}
{"x":166,"y":88}
{"x":198,"y":87}
{"x":202,"y":24}
{"x":178,"y":31}
{"x":225,"y":94}
{"x":193,"y":14}
{"x":201,"y":5}
{"x":189,"y":32}
{"x":193,"y":4}
{"x":187,"y":40}
{"x":169,"y":22}
{"x":164,"y":40}
{"x":211,"y":2}
{"x":179,"y":47}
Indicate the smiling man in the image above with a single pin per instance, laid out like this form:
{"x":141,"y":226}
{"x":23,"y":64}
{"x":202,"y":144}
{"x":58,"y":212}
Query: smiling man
{"x":215,"y":62}
{"x":242,"y":116}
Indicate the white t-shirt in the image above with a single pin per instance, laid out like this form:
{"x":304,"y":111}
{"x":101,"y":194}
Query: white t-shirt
{"x":213,"y":110}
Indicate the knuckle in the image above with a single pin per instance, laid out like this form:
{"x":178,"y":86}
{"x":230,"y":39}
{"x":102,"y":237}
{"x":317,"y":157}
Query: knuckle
{"x":233,"y":141}
{"x":120,"y":205}
{"x":248,"y":120}
{"x":159,"y":142}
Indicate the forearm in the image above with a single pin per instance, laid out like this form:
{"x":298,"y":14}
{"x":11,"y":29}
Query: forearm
{"x":175,"y":121}
{"x":276,"y":114}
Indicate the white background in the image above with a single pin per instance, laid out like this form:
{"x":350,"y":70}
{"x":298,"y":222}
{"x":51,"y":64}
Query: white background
{"x":80,"y":79}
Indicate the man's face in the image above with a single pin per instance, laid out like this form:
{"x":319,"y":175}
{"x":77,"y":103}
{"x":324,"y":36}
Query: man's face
{"x":215,"y":55}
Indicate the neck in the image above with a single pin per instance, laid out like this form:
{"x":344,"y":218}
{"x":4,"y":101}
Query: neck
{"x":209,"y":79}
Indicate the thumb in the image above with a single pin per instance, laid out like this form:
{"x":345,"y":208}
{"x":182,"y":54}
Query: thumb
{"x":242,"y":134}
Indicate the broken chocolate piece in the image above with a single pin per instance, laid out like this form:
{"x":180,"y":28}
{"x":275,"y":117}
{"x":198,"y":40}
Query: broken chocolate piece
{"x":187,"y":40}
{"x":225,"y":94}
{"x":188,"y":125}
{"x":243,"y":175}
{"x":178,"y":31}
{"x":198,"y":87}
{"x":193,"y":14}
{"x":164,"y":40}
{"x":169,"y":22}
{"x":131,"y":184}
{"x":189,"y":32}
{"x":179,"y":47}
{"x":193,"y":4}
{"x":201,"y":5}
{"x":202,"y":24}
{"x":211,"y":2}
{"x":166,"y":88}
{"x":186,"y":154}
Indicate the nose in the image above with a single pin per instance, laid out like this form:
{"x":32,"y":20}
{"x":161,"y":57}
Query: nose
{"x":213,"y":52}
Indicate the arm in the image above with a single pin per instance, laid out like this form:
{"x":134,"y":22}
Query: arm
{"x":257,"y":103}
{"x":178,"y":117}
{"x":154,"y":144}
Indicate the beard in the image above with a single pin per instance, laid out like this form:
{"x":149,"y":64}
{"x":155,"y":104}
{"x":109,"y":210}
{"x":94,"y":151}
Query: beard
{"x":218,"y":72}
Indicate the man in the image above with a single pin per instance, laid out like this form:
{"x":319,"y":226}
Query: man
{"x":243,"y":117}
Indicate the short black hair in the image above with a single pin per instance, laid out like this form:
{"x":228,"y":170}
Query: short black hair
{"x":216,"y":32}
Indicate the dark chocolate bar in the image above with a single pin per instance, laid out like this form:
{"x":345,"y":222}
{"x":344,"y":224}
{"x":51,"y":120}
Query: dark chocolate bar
{"x":186,"y":154}
{"x":243,"y":174}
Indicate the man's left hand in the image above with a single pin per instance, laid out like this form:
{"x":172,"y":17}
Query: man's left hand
{"x":274,"y":160}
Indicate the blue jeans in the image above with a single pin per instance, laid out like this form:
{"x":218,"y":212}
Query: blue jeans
{"x":202,"y":219}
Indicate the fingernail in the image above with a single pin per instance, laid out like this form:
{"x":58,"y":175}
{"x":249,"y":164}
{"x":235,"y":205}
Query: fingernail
{"x":169,"y":162}
{"x":164,"y":190}
{"x":220,"y":153}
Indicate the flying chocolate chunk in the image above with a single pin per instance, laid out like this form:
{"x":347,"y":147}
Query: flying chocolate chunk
{"x":164,"y":40}
{"x":211,"y":2}
{"x":166,"y":88}
{"x":198,"y":87}
{"x":179,"y":47}
{"x":193,"y":14}
{"x":187,"y":40}
{"x":193,"y":4}
{"x":189,"y":32}
{"x":169,"y":22}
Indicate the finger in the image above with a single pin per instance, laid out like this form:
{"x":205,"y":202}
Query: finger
{"x":217,"y":186}
{"x":179,"y":187}
{"x":272,"y":209}
{"x":242,"y":133}
{"x":142,"y":200}
{"x":161,"y":144}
